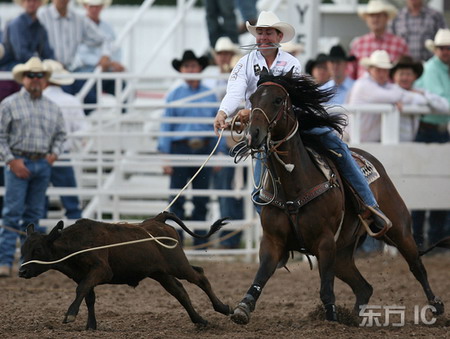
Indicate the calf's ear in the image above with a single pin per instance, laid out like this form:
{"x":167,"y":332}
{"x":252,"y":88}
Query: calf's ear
{"x":56,"y":231}
{"x":30,"y":229}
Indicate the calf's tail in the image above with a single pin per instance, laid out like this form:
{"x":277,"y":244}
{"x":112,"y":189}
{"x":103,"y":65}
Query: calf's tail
{"x":171,"y":216}
{"x":443,"y":243}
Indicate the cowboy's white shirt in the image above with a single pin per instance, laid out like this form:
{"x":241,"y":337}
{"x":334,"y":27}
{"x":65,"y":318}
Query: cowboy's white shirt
{"x":245,"y":75}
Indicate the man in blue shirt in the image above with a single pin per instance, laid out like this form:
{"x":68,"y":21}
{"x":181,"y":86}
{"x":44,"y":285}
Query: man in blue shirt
{"x":340,"y":82}
{"x":184,"y":143}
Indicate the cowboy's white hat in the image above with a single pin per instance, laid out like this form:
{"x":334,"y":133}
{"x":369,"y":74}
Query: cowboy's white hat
{"x":58,"y":69}
{"x":270,"y":20}
{"x":378,"y":6}
{"x":34,"y":64}
{"x":442,"y":38}
{"x":224,"y":44}
{"x":19,"y":2}
{"x":379,"y":58}
{"x":105,"y":3}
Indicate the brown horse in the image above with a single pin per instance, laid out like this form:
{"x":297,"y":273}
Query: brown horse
{"x":305,"y":211}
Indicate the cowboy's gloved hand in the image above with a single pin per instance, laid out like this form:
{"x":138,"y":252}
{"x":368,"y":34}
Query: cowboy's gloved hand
{"x":219,"y":122}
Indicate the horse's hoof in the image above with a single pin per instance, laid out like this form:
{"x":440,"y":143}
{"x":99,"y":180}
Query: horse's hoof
{"x":241,"y":314}
{"x":438,"y":305}
{"x":69,"y":319}
{"x":330,"y":312}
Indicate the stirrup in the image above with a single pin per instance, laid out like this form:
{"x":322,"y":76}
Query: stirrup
{"x":376,"y":235}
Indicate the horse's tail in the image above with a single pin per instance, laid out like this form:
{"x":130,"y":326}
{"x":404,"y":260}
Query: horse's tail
{"x":171,"y":216}
{"x":443,"y":243}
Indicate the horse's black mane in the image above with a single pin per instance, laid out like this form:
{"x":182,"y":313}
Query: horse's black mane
{"x":308,"y":100}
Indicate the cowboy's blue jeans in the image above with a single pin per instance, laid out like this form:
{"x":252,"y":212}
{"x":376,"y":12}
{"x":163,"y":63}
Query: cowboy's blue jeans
{"x":24,"y":203}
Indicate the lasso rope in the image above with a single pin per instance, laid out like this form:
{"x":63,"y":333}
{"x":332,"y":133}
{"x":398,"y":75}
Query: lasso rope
{"x":152,"y":238}
{"x":196,"y":173}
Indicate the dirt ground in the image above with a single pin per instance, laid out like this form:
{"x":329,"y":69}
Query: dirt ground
{"x":288,"y":307}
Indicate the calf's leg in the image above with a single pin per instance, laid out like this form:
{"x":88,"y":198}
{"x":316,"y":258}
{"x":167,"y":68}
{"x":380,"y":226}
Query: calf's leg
{"x":90,"y":302}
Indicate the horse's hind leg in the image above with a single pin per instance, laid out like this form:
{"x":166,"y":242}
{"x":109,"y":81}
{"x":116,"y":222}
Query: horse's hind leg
{"x":406,"y":245}
{"x":347,"y":271}
{"x":269,"y":255}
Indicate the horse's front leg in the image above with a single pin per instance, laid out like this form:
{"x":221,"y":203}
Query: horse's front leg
{"x":270,"y":253}
{"x":326,"y":258}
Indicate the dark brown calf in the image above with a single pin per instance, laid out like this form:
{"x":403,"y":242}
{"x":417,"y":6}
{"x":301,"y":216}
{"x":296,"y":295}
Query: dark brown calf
{"x":127,"y":264}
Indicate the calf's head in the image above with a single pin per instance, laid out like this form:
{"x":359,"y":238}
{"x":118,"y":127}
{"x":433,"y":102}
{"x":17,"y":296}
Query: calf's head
{"x":38,"y":247}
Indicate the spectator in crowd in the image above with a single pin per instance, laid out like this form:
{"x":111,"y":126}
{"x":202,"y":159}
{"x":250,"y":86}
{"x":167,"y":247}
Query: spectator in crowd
{"x":188,"y":144}
{"x":31,"y":139}
{"x":67,"y":30}
{"x":404,"y":73}
{"x":318,"y":69}
{"x":223,"y":178}
{"x":339,"y":81}
{"x":24,"y":37}
{"x":269,"y":32}
{"x":248,"y":11}
{"x":376,"y":15}
{"x":375,"y":87}
{"x":75,"y":120}
{"x":221,"y":20}
{"x":434,"y":128}
{"x":416,"y":22}
{"x":88,"y":57}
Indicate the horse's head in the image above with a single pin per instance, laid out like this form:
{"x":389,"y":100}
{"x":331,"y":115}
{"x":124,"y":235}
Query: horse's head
{"x":271,"y":106}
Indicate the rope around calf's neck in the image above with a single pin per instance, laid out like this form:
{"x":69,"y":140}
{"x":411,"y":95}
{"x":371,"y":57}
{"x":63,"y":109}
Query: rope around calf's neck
{"x":152,"y":238}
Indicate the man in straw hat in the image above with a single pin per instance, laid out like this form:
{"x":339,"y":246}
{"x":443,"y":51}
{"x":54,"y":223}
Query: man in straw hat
{"x":270,"y":32}
{"x":186,"y":142}
{"x":434,"y":127}
{"x":75,"y":120}
{"x":24,"y":37}
{"x":417,"y":22}
{"x":340,"y":82}
{"x":376,"y":14}
{"x":31,"y":138}
{"x":375,"y":87}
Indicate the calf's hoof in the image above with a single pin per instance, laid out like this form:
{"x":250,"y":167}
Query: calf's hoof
{"x":241,"y":314}
{"x":438,"y":305}
{"x":69,"y":319}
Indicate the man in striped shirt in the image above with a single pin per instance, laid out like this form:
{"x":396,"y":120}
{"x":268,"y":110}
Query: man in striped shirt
{"x":67,"y":30}
{"x":31,"y":138}
{"x":376,"y":14}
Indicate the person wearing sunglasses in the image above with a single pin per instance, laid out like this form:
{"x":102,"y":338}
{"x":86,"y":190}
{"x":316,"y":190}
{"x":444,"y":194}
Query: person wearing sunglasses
{"x":32,"y":134}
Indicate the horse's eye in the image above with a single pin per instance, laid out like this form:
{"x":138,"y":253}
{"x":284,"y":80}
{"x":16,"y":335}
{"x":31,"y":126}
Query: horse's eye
{"x":278,"y":101}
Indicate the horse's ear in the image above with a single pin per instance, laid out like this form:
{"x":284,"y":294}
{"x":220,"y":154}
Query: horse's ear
{"x":290,"y":73}
{"x":264,"y":71}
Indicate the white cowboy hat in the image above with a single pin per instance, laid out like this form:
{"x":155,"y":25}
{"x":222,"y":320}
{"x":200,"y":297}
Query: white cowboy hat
{"x":33,"y":65}
{"x":377,"y":6}
{"x":19,"y":2}
{"x":224,"y":44}
{"x":58,"y":69}
{"x":379,"y":58}
{"x":105,"y":3}
{"x":442,"y":38}
{"x":292,"y":47}
{"x":269,"y":19}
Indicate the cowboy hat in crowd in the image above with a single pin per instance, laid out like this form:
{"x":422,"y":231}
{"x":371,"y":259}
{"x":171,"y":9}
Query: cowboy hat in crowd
{"x":292,"y":48}
{"x":189,"y":55}
{"x":377,"y":6}
{"x":58,"y":69}
{"x":270,"y":20}
{"x":408,"y":62}
{"x":337,"y":53}
{"x":442,"y":38}
{"x":104,"y":3}
{"x":224,"y":44}
{"x":34,"y":65}
{"x":311,"y":63}
{"x":379,"y":58}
